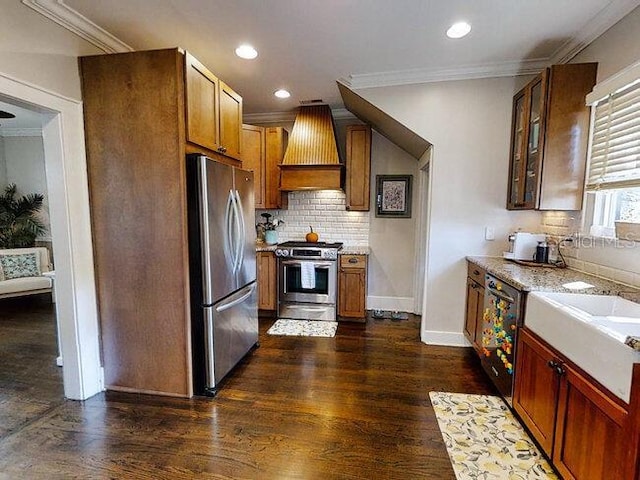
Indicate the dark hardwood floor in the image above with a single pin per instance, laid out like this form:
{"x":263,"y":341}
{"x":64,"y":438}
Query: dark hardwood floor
{"x":350,"y":407}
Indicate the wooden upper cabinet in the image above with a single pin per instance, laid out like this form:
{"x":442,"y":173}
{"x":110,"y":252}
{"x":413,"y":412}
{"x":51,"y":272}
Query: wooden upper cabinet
{"x":276,"y":139}
{"x":213,"y":111}
{"x":253,"y":147}
{"x":358,"y":164}
{"x":230,"y":122}
{"x":202,"y":88}
{"x":549,"y":138}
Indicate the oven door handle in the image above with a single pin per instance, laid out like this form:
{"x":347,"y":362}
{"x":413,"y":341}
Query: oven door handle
{"x":502,"y":296}
{"x":316,"y":264}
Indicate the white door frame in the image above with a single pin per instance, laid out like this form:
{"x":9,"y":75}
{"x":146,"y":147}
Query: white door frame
{"x":65,"y":164}
{"x":422,"y":231}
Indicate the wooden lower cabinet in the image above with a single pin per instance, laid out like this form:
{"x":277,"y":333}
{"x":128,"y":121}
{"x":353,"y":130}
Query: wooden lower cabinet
{"x":352,"y":287}
{"x":578,"y":423}
{"x":267,"y":277}
{"x":475,"y":306}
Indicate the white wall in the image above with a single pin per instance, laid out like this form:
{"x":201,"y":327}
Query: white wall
{"x":24,"y":163}
{"x":468,"y":123}
{"x":3,"y":166}
{"x":392,"y":240}
{"x":38,"y":64}
{"x":36,"y":50}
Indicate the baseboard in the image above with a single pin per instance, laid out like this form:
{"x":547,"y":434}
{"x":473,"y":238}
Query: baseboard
{"x":400,"y":304}
{"x":449,"y":339}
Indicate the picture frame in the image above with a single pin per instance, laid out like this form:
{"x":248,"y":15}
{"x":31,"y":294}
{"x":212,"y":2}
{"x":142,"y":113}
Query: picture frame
{"x":393,"y":196}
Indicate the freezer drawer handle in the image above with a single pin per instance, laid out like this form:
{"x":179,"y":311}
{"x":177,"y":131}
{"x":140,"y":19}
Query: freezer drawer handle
{"x":237,"y":301}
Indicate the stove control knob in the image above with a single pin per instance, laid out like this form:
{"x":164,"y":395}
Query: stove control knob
{"x":282,"y":252}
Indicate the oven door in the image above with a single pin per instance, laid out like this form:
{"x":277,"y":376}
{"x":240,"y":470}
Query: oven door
{"x":292,"y":287}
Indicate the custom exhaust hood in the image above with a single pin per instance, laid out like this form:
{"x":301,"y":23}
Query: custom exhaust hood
{"x":311,"y":161}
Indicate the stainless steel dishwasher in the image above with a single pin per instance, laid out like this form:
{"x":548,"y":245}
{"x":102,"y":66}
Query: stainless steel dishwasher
{"x":502,"y":317}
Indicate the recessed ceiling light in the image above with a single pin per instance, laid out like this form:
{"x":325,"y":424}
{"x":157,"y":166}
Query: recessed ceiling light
{"x":282,"y":93}
{"x":458,"y":30}
{"x":246,"y":51}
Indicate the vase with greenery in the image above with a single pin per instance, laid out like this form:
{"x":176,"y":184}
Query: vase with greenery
{"x":19,"y":223}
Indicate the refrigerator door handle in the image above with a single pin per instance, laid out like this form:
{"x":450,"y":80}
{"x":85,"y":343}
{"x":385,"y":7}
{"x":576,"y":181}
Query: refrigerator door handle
{"x":236,"y":301}
{"x":243,"y":232}
{"x":234,"y":227}
{"x":229,"y":250}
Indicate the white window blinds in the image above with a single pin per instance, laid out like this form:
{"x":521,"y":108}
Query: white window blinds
{"x":615,"y":143}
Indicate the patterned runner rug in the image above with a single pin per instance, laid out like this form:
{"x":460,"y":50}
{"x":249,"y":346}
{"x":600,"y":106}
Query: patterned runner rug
{"x":303,"y":328}
{"x":485,"y":441}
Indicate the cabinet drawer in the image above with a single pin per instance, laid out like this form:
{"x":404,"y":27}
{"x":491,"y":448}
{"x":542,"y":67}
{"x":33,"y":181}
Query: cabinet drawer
{"x":477,"y":273}
{"x":353,"y":261}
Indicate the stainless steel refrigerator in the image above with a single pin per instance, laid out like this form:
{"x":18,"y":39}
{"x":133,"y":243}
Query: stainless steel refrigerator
{"x":222,"y":238}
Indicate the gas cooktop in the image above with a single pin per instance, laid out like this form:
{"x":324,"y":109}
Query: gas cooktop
{"x":337,"y":245}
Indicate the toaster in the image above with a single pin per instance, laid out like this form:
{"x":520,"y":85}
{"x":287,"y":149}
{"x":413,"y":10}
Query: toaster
{"x":522,"y":245}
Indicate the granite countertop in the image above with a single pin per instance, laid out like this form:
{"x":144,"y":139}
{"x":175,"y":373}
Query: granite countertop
{"x":545,"y":279}
{"x":265,"y":247}
{"x":354,"y":250}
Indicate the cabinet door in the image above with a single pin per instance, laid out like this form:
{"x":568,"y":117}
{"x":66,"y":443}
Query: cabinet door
{"x":358,"y":167}
{"x":230,"y":122}
{"x":253,"y":147}
{"x":474,"y":302}
{"x":536,"y":389}
{"x":518,"y":148}
{"x":590,"y":442}
{"x":535,"y":142}
{"x":267,"y":280}
{"x":352,"y":286}
{"x":276,"y":143}
{"x":201,"y":104}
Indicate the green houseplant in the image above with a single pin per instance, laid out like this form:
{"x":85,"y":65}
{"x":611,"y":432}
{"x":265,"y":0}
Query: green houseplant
{"x":19,"y":224}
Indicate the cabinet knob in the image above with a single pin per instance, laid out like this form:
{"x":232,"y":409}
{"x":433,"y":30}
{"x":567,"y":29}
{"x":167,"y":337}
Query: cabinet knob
{"x":353,"y":260}
{"x":476,"y":272}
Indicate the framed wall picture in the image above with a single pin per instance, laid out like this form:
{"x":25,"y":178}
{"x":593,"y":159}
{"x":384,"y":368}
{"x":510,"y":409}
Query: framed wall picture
{"x":393,"y":196}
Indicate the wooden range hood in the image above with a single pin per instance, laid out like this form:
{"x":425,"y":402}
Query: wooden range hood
{"x":311,"y":161}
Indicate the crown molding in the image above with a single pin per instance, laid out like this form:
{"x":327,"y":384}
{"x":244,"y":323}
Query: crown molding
{"x":429,"y":75}
{"x":77,"y":23}
{"x":606,"y":18}
{"x":289,"y":117}
{"x":20,"y":132}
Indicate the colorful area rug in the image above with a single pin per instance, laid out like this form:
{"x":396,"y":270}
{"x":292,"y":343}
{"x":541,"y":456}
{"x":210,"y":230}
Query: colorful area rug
{"x":485,"y":441}
{"x":303,"y":328}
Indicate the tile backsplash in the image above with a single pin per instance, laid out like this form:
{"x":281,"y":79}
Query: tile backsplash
{"x":604,"y":257}
{"x":325,"y":211}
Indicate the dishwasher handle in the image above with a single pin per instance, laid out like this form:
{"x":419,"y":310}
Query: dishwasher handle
{"x":502,"y":295}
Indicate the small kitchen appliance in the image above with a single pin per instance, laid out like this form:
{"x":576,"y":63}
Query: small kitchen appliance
{"x":522,"y":245}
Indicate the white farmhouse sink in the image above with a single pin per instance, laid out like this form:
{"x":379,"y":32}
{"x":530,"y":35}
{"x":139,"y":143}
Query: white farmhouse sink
{"x":590,"y":330}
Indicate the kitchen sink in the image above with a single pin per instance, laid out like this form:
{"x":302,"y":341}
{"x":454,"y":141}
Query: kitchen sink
{"x":590,"y":330}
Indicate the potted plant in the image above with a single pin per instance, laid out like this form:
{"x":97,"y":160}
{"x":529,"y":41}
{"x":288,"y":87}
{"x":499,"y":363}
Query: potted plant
{"x":19,"y":223}
{"x":268,"y":228}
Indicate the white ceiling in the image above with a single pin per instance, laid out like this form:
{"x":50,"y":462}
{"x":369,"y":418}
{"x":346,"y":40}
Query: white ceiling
{"x":306,"y":45}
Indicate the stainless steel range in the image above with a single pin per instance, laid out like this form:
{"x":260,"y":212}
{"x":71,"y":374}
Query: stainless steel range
{"x":307,"y":280}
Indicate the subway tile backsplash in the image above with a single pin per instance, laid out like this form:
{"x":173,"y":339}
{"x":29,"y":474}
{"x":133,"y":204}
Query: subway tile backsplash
{"x":325,"y":211}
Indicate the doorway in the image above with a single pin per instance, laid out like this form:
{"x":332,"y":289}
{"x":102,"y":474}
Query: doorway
{"x":422,"y":230}
{"x":65,"y":166}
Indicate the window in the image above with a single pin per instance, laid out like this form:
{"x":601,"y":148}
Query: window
{"x":613,"y":181}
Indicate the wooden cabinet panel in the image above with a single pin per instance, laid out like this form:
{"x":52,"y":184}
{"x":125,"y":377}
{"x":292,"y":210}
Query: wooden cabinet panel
{"x":352,"y":286}
{"x":577,"y":422}
{"x":276,"y":139}
{"x":549,"y":138}
{"x":358,"y":167}
{"x":230,"y":121}
{"x":473,"y":318}
{"x":202,"y":104}
{"x":253,"y":150}
{"x":267,"y":281}
{"x":536,"y":389}
{"x":134,"y":126}
{"x":590,"y":440}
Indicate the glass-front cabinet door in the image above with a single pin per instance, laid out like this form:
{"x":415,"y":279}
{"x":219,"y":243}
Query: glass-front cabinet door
{"x":527,"y":142}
